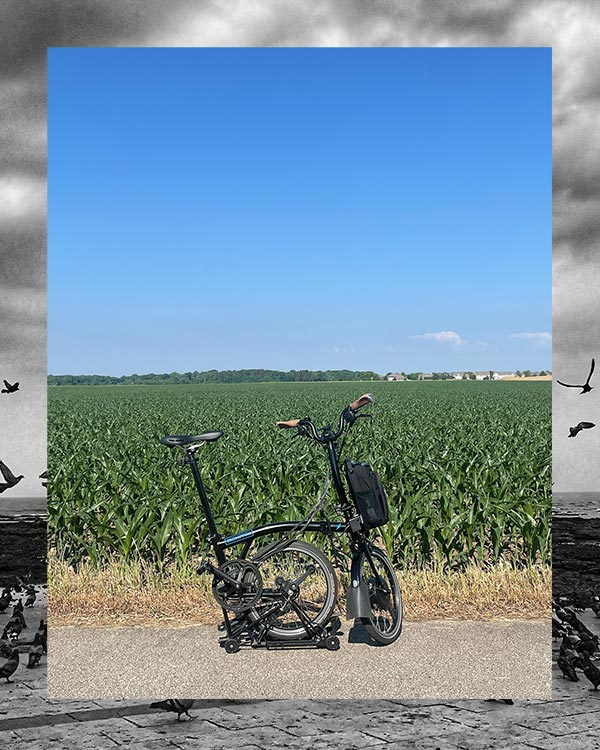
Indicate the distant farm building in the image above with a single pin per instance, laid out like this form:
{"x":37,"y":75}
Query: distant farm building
{"x":457,"y":375}
{"x":493,"y":375}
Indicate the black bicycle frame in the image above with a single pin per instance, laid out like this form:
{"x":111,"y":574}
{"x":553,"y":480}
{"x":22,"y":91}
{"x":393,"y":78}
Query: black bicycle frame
{"x":357,"y":598}
{"x":220,"y":544}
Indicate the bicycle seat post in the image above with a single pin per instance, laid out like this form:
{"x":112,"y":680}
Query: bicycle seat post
{"x":214,"y":535}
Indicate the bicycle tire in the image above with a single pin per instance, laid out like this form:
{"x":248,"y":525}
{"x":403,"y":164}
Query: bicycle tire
{"x":385,"y":597}
{"x":317,"y":594}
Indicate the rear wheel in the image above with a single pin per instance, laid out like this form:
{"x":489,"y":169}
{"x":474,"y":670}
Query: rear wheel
{"x":300,"y":579}
{"x":385,"y":597}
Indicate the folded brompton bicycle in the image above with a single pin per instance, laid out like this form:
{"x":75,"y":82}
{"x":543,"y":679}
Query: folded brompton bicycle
{"x":283,"y":595}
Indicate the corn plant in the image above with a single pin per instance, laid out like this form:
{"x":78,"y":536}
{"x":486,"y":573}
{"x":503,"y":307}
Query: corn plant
{"x":466,"y":466}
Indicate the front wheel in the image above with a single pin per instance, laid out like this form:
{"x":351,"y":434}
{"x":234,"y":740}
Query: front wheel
{"x":385,"y":623}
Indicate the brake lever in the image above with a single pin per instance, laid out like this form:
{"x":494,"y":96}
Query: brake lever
{"x":367,"y":416}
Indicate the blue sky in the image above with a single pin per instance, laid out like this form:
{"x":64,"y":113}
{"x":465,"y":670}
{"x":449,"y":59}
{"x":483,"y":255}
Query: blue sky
{"x":381,"y":209}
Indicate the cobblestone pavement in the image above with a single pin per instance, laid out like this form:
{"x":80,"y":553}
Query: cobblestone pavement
{"x":30,"y":720}
{"x":566,"y":721}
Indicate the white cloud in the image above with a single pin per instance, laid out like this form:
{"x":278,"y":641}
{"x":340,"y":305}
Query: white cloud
{"x":443,"y":337}
{"x":21,"y":197}
{"x":540,"y":338}
{"x":335,"y":349}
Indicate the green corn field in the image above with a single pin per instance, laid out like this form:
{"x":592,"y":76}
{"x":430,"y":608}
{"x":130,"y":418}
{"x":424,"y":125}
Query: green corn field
{"x":466,"y":467}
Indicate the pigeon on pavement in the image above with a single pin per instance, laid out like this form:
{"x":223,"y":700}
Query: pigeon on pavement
{"x":35,"y":654}
{"x":591,"y":671}
{"x":10,"y":666}
{"x":174,"y":706}
{"x":566,"y":667}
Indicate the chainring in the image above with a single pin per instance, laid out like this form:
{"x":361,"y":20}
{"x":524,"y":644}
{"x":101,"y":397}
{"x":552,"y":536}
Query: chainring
{"x":245,"y":592}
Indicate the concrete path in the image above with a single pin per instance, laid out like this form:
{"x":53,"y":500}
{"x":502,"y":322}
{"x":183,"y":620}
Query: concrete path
{"x":431,"y":660}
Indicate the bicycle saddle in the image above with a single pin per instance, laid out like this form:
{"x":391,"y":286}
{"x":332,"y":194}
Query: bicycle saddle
{"x":179,"y":440}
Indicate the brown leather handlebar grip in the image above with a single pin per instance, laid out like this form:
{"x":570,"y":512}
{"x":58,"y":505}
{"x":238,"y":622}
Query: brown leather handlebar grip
{"x":362,"y":401}
{"x":289,"y":423}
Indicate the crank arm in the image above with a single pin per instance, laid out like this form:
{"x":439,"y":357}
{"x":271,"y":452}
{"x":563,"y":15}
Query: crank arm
{"x":224,"y":577}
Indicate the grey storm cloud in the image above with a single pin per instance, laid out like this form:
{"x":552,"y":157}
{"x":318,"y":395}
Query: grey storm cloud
{"x":570,"y":27}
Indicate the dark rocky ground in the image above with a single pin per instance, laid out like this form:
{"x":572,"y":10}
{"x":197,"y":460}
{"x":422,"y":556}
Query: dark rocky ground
{"x":23,"y":549}
{"x":575,"y":554}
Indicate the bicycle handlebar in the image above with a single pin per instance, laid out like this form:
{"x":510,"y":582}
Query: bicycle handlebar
{"x":362,"y":401}
{"x":346,"y":417}
{"x":289,"y":423}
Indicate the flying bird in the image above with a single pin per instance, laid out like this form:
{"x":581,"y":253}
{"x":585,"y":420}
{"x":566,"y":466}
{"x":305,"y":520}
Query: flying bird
{"x":581,"y":426}
{"x":8,"y":388}
{"x":586,"y":386}
{"x":26,"y":578}
{"x":175,"y":706}
{"x":10,"y":478}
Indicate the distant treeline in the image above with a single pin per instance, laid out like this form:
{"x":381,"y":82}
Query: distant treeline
{"x":214,"y":376}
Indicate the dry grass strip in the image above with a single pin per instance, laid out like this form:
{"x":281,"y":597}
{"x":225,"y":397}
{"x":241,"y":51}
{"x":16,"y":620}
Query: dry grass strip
{"x":136,"y":595}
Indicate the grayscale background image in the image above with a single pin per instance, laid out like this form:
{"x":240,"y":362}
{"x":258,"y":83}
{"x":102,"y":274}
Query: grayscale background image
{"x":570,"y":30}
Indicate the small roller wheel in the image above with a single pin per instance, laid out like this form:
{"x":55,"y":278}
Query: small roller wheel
{"x":232,"y":646}
{"x":332,"y":643}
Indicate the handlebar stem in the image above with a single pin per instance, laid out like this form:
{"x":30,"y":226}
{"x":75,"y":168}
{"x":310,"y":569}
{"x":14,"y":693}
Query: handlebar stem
{"x":335,"y":472}
{"x":347,"y":417}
